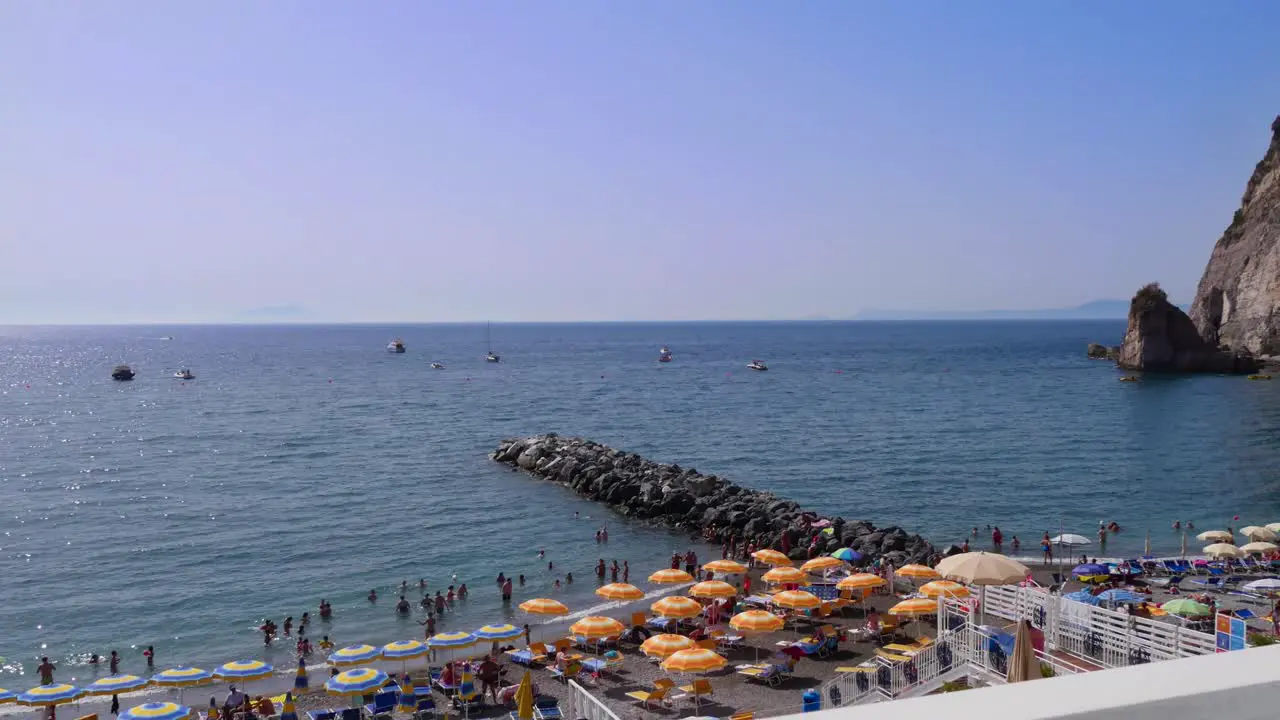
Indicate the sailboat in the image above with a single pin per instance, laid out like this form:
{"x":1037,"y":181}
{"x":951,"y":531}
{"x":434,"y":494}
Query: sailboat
{"x":488,"y":336}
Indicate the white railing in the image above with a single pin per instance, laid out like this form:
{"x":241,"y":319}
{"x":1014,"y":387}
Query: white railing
{"x":584,"y":706}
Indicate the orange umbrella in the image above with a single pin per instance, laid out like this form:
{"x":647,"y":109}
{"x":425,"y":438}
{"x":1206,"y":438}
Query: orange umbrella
{"x":944,"y":587}
{"x":917,"y":571}
{"x":756,"y":621}
{"x":596,"y":627}
{"x":797,"y":600}
{"x":670,"y":577}
{"x":713,"y":589}
{"x":694,"y":660}
{"x":914,"y":606}
{"x":544,"y":606}
{"x":677,"y":606}
{"x":860,"y":581}
{"x":665,"y":645}
{"x":771,"y":557}
{"x":620,"y":591}
{"x":818,"y":564}
{"x":784,"y":574}
{"x":727,"y":567}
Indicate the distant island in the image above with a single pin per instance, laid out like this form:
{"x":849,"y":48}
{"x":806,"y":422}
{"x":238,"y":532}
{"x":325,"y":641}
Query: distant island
{"x":1096,"y":310}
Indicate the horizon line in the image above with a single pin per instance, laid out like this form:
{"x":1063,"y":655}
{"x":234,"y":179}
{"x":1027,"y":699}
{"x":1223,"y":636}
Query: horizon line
{"x":422,"y":323}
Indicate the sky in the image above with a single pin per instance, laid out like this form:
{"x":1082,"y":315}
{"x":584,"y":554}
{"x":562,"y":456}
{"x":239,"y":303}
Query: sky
{"x":409,"y":161}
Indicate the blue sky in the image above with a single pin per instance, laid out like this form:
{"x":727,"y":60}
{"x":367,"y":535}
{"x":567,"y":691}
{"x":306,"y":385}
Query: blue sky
{"x":400,"y":161}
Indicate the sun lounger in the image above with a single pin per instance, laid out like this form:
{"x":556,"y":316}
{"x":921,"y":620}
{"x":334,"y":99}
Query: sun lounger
{"x":350,"y":714}
{"x":657,"y":695}
{"x":771,"y":675}
{"x":699,"y":689}
{"x":426,"y":708}
{"x":320,"y":714}
{"x":546,"y":708}
{"x":383,"y":704}
{"x":573,"y":670}
{"x":1209,"y":583}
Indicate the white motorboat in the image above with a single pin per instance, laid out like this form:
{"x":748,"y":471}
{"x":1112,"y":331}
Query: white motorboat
{"x":757,"y":365}
{"x":184,"y":374}
{"x":437,"y":366}
{"x":395,"y":346}
{"x":488,"y":336}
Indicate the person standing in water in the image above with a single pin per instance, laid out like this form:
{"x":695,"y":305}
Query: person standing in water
{"x":150,"y":655}
{"x":46,"y":669}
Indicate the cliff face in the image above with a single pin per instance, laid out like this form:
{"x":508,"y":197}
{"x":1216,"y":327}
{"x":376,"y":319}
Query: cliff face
{"x":1237,"y":304}
{"x":1161,"y":338}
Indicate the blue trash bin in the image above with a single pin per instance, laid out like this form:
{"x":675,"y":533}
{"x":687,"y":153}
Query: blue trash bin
{"x":812,"y":700}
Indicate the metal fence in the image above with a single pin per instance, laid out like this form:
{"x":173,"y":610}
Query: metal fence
{"x":584,"y":705}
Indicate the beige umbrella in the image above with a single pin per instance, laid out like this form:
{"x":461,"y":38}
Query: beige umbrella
{"x":982,"y":568}
{"x":1023,"y":665}
{"x":1259,"y":547}
{"x":1223,"y":550}
{"x":1273,"y":527}
{"x":1253,"y":532}
{"x":1215,"y":536}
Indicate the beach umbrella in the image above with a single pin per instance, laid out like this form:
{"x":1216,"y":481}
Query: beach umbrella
{"x":524,"y":698}
{"x":665,"y":645}
{"x":1253,"y":532}
{"x":725,"y":567}
{"x":357,"y":682}
{"x":948,"y":588}
{"x":300,"y":677}
{"x":7,"y":696}
{"x":597,"y":626}
{"x":243,"y":670}
{"x":1215,"y":536}
{"x":771,"y":557}
{"x":289,"y":711}
{"x":784,"y":574}
{"x":499,"y":632}
{"x":982,"y":568}
{"x":1273,"y":527}
{"x":404,"y":650}
{"x":1082,"y":596}
{"x":819,"y":564}
{"x":676,"y":606}
{"x":620,"y":591}
{"x":1069,"y":540}
{"x":694,"y":660}
{"x":1090,"y":569}
{"x":50,"y":695}
{"x":1023,"y":664}
{"x":452,"y":641}
{"x":920,"y":572}
{"x":860,"y":581}
{"x":1185,"y":607}
{"x":1222,"y":550}
{"x":544,"y":606}
{"x":671,"y":576}
{"x":1265,"y":585}
{"x":756,"y":621}
{"x":354,"y":655}
{"x":408,"y":696}
{"x":914,"y":607}
{"x":1120,"y":596}
{"x":182,"y":676}
{"x":116,"y":684}
{"x":1260,"y":546}
{"x":713,"y":589}
{"x":796,"y":600}
{"x":157,"y":711}
{"x":847,"y":555}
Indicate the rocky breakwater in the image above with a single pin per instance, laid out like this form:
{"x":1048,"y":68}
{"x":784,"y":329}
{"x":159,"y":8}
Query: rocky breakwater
{"x":685,"y":499}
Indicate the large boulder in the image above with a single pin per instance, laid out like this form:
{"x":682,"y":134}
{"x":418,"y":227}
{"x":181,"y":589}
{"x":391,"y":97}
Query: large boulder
{"x":1162,"y":338}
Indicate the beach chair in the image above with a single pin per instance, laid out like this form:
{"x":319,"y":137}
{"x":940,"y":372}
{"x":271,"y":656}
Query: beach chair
{"x":349,"y":714}
{"x":320,"y":714}
{"x":658,"y":695}
{"x":700,"y":688}
{"x":426,"y":708}
{"x":638,"y":619}
{"x":572,"y":671}
{"x":383,"y":704}
{"x":1209,"y":583}
{"x":546,"y":708}
{"x":771,"y":675}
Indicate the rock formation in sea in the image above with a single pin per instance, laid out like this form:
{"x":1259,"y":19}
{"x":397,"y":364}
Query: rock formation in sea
{"x":685,"y":499}
{"x":1237,"y":304}
{"x":1102,"y":352}
{"x":1162,"y":338}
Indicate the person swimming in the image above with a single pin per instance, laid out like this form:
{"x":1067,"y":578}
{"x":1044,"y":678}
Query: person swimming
{"x":402,"y":607}
{"x":373,"y":595}
{"x":422,"y":584}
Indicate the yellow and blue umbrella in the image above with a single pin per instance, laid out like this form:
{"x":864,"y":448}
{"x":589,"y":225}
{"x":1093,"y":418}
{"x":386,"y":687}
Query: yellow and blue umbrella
{"x":182,"y":676}
{"x":404,"y":650}
{"x":47,"y":695}
{"x":289,"y":711}
{"x":6,"y":696}
{"x":359,"y":681}
{"x":452,"y":641}
{"x":243,"y":670}
{"x":499,"y":632}
{"x":157,"y":711}
{"x":354,"y":655}
{"x":116,"y":684}
{"x":408,"y":696}
{"x":847,"y":555}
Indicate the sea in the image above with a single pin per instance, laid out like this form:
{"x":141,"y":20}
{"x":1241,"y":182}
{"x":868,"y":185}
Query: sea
{"x":307,"y":462}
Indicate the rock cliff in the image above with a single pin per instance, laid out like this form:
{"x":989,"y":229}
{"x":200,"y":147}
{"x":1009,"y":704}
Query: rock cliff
{"x":1162,"y":338}
{"x":685,"y":499}
{"x":1237,"y":304}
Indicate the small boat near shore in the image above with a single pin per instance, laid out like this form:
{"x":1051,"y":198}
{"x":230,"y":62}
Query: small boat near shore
{"x":664,"y":355}
{"x":184,"y":374}
{"x":395,"y":346}
{"x":488,"y":336}
{"x":122,"y":373}
{"x":437,"y":366}
{"x":757,"y":366}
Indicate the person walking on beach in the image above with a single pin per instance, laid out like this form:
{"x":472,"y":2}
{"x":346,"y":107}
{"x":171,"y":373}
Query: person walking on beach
{"x":115,"y":705}
{"x":46,"y":669}
{"x":528,"y":635}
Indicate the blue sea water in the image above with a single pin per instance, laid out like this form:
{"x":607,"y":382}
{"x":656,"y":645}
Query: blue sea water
{"x":307,"y":462}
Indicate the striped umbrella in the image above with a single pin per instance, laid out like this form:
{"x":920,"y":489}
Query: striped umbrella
{"x":116,"y":684}
{"x":544,"y":606}
{"x":300,"y":679}
{"x":726,"y":567}
{"x":596,"y":627}
{"x":408,"y":696}
{"x":48,"y":695}
{"x":949,"y":588}
{"x":771,"y":557}
{"x":404,"y":650}
{"x":670,"y":577}
{"x":353,"y":655}
{"x":784,"y":574}
{"x":713,"y":589}
{"x":665,"y":645}
{"x":6,"y":696}
{"x":1117,"y":595}
{"x":288,"y":710}
{"x":452,"y":641}
{"x":693,"y":660}
{"x":819,"y":564}
{"x":677,"y":606}
{"x":923,"y":572}
{"x":756,"y":621}
{"x":181,"y":676}
{"x":860,"y":581}
{"x":357,"y":681}
{"x":243,"y":670}
{"x":1081,"y":596}
{"x":914,"y":607}
{"x":157,"y":711}
{"x":620,"y":591}
{"x":499,"y":632}
{"x":796,"y":600}
{"x":848,"y":555}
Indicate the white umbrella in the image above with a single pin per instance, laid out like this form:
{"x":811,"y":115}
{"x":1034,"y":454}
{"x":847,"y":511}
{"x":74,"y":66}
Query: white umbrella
{"x":1219,"y":536}
{"x":1069,"y":539}
{"x":1265,"y":585}
{"x":1273,"y":527}
{"x":1253,"y":532}
{"x":1222,"y":550}
{"x":982,"y":568}
{"x":1259,"y":547}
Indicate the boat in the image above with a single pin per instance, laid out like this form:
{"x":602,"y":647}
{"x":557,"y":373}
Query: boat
{"x":1259,"y":377}
{"x":665,"y":350}
{"x":488,"y":336}
{"x":395,"y":346}
{"x":437,"y":366}
{"x":122,"y":372}
{"x":1129,"y":378}
{"x":757,"y":365}
{"x":664,"y":357}
{"x":184,"y":374}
